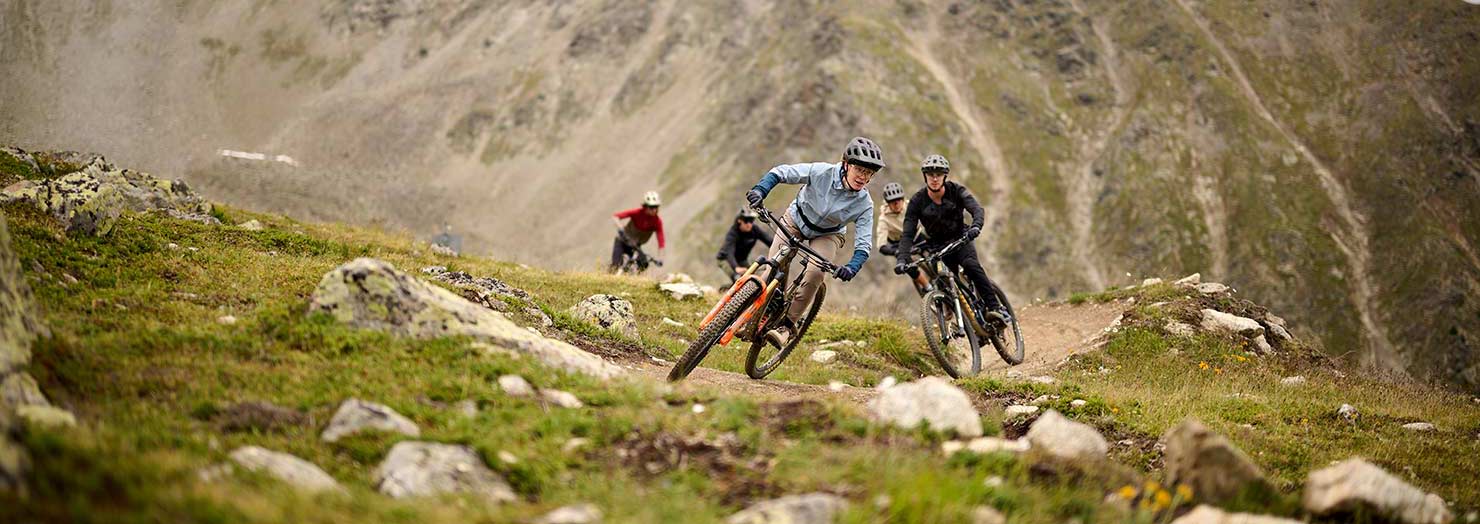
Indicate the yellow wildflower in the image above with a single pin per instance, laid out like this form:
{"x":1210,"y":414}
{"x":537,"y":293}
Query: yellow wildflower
{"x":1218,"y":370}
{"x":1240,"y":358}
{"x":1202,"y":365}
{"x":1184,"y":492}
{"x":1163,"y":499}
{"x":1127,"y":492}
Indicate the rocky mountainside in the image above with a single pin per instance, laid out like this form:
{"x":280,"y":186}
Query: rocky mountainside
{"x":1321,"y":157}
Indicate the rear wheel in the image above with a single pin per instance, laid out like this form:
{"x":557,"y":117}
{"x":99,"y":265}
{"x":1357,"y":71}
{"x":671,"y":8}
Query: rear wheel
{"x":1008,"y":339}
{"x":759,"y":347}
{"x":715,"y":329}
{"x":959,"y":353}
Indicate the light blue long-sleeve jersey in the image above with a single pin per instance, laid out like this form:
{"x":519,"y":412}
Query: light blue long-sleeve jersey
{"x":825,"y":202}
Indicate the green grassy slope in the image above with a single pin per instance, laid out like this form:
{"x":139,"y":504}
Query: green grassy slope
{"x":137,"y":353}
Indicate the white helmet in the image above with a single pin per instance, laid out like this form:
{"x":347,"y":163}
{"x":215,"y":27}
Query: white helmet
{"x":651,"y":199}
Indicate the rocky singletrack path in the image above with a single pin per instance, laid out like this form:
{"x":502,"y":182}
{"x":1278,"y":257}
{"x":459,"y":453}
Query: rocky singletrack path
{"x":1052,"y":333}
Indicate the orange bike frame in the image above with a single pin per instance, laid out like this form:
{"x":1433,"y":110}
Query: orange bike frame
{"x":744,"y":277}
{"x":765,"y":296}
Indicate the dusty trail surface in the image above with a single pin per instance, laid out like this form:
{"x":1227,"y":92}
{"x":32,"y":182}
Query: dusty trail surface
{"x":1052,"y":333}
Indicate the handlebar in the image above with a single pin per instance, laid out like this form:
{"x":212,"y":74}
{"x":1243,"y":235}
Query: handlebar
{"x":816,"y":258}
{"x":931,"y":257}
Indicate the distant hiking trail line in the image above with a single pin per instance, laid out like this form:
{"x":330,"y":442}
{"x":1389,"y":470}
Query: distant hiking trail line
{"x":1051,"y":334}
{"x":1353,"y":242}
{"x":981,"y":137}
{"x":1086,"y":186}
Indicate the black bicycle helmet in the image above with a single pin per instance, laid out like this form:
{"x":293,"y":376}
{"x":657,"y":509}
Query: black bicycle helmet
{"x":747,"y":213}
{"x":893,"y":191}
{"x":864,"y":152}
{"x":935,"y":163}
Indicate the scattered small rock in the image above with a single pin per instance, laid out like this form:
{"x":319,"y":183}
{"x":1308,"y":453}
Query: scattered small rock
{"x":930,"y":400}
{"x":1205,"y":461}
{"x":607,"y":312}
{"x":251,"y":225}
{"x":538,"y":313}
{"x":1179,"y":329}
{"x":1348,"y":413}
{"x":1214,"y":320}
{"x":561,"y":398}
{"x":1356,"y":484}
{"x":415,"y":469}
{"x":1204,"y":514}
{"x":1262,"y":345}
{"x":1078,"y":403}
{"x":984,"y":445}
{"x":670,"y":322}
{"x":824,"y":356}
{"x":1189,"y":280}
{"x":467,"y":408}
{"x":1150,"y":282}
{"x":45,"y":416}
{"x":1020,"y":411}
{"x":287,"y":468}
{"x":355,"y":416}
{"x":507,"y":458}
{"x":1211,"y":288}
{"x":575,"y":443}
{"x":811,"y":508}
{"x":697,"y":409}
{"x":1297,"y":380}
{"x":226,"y":320}
{"x":682,"y":291}
{"x":573,"y":514}
{"x":1419,"y":426}
{"x":1042,"y":379}
{"x":835,"y":386}
{"x":886,"y":383}
{"x":1064,"y":439}
{"x":515,"y":386}
{"x":987,"y":515}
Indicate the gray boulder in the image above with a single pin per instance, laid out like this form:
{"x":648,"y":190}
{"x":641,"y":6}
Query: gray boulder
{"x":1205,"y":514}
{"x":561,"y":398}
{"x":1208,"y":463}
{"x":930,"y":400}
{"x":1214,"y":320}
{"x":355,"y":416}
{"x":485,"y":291}
{"x":1060,"y":438}
{"x":1179,"y":329}
{"x":811,"y":508}
{"x":1211,"y":288}
{"x":287,"y":468}
{"x":682,"y":290}
{"x":372,"y":294}
{"x":607,"y":312}
{"x":418,"y":469}
{"x":1357,"y":484}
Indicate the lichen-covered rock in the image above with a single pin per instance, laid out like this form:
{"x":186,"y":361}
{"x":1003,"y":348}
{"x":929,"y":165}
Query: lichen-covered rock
{"x":1356,"y":484}
{"x":485,"y":291}
{"x":1064,"y":439}
{"x":811,"y":508}
{"x":607,"y":312}
{"x":1208,"y":463}
{"x":287,"y":468}
{"x":19,"y":389}
{"x":418,"y":469}
{"x":930,"y":400}
{"x":91,"y":199}
{"x":355,"y":416}
{"x":19,"y":323}
{"x":46,"y":417}
{"x":372,"y":294}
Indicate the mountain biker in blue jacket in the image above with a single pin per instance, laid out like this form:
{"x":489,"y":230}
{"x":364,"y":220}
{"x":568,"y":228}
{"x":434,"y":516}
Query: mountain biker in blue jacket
{"x":941,"y":207}
{"x":832,"y":195}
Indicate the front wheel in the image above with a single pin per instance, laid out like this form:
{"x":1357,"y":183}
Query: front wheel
{"x":759,"y":344}
{"x":715,"y":329}
{"x":956,"y":351}
{"x":1008,"y":339}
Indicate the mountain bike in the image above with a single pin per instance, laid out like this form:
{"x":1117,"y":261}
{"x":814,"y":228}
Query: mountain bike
{"x":636,"y":262}
{"x":752,"y":307}
{"x":953,"y":319}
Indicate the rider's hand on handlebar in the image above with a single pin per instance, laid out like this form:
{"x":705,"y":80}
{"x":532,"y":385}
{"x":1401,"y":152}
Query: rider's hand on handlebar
{"x":755,"y":197}
{"x":845,"y":273}
{"x":901,"y":268}
{"x":973,"y":232}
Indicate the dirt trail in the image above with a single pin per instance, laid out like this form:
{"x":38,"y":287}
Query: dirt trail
{"x":1052,"y":333}
{"x":978,"y":134}
{"x":1353,"y":241}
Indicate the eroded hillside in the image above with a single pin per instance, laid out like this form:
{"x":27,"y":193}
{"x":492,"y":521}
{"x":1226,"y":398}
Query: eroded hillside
{"x":1321,"y":157}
